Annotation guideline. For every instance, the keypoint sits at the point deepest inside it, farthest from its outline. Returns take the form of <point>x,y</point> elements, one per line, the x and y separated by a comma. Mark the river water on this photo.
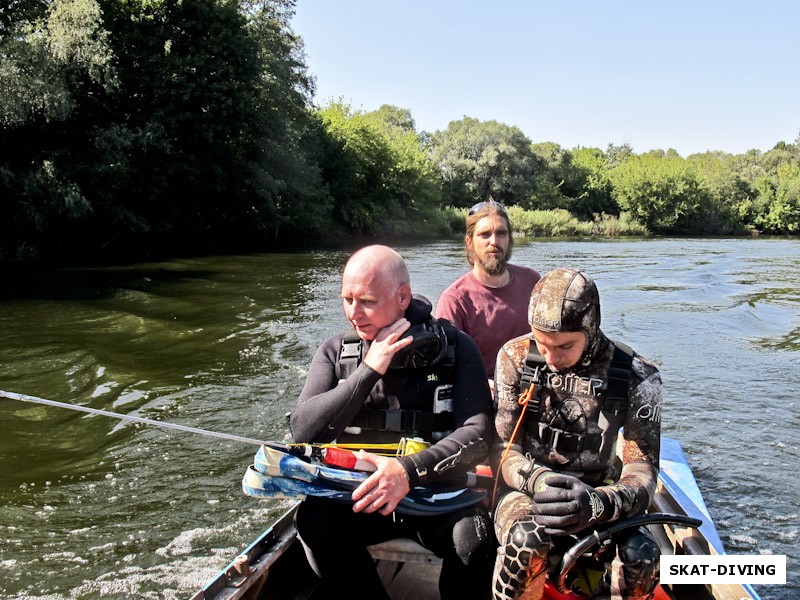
<point>93,507</point>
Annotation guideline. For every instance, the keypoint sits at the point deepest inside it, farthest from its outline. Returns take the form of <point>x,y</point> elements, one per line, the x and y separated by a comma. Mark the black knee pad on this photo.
<point>640,553</point>
<point>473,537</point>
<point>526,540</point>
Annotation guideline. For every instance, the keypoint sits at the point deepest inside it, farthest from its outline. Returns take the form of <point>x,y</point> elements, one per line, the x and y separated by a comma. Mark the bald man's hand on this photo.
<point>386,344</point>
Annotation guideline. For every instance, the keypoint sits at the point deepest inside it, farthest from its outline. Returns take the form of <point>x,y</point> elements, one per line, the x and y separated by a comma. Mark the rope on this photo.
<point>384,449</point>
<point>523,400</point>
<point>107,413</point>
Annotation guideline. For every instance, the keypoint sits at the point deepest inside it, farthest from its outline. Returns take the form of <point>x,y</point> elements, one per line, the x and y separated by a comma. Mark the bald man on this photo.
<point>386,378</point>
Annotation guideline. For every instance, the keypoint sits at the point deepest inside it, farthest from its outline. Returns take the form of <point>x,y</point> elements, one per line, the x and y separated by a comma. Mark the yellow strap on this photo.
<point>404,447</point>
<point>411,446</point>
<point>380,449</point>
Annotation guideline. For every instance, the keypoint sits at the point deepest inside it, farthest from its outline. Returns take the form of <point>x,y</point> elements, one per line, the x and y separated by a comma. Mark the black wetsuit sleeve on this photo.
<point>472,412</point>
<point>326,406</point>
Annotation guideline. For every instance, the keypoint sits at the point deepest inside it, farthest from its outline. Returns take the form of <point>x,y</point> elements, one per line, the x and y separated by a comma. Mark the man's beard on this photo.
<point>494,266</point>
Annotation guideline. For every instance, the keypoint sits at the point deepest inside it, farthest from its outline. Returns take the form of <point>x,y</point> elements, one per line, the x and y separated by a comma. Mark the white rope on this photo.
<point>107,413</point>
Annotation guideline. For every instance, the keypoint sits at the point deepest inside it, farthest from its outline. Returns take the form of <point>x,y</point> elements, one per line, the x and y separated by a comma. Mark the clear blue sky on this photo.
<point>690,75</point>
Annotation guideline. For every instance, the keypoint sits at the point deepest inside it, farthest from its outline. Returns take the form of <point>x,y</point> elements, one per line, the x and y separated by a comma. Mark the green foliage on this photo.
<point>357,169</point>
<point>559,222</point>
<point>187,110</point>
<point>45,57</point>
<point>611,225</point>
<point>660,191</point>
<point>546,223</point>
<point>135,127</point>
<point>456,219</point>
<point>782,194</point>
<point>730,196</point>
<point>577,181</point>
<point>552,163</point>
<point>485,159</point>
<point>284,175</point>
<point>555,223</point>
<point>198,137</point>
<point>618,154</point>
<point>378,174</point>
<point>414,176</point>
<point>51,57</point>
<point>588,184</point>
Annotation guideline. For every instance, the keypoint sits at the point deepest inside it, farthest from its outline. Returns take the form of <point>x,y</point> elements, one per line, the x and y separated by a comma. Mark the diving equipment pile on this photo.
<point>297,471</point>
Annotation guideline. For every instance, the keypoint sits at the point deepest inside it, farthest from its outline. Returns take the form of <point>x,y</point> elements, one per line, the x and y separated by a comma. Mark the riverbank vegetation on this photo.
<point>131,129</point>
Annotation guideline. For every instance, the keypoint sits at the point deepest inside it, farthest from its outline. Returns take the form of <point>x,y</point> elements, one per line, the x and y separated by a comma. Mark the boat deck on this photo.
<point>274,566</point>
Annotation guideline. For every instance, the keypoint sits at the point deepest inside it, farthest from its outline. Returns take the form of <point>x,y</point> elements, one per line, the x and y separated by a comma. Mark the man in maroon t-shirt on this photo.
<point>490,302</point>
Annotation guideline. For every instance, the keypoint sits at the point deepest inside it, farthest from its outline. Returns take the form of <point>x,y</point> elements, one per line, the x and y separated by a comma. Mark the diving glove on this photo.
<point>565,505</point>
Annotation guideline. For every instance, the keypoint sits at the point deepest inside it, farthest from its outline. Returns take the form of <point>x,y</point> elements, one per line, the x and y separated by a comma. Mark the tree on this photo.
<point>781,195</point>
<point>284,173</point>
<point>485,159</point>
<point>358,161</point>
<point>587,184</point>
<point>552,165</point>
<point>618,154</point>
<point>378,172</point>
<point>730,195</point>
<point>414,178</point>
<point>393,118</point>
<point>661,192</point>
<point>51,56</point>
<point>198,137</point>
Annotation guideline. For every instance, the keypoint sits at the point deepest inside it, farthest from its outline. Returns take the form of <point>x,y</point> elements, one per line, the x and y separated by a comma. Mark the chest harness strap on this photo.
<point>416,422</point>
<point>616,399</point>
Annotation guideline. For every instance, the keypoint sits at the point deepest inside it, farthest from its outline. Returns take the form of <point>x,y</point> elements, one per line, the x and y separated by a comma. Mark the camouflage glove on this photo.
<point>565,505</point>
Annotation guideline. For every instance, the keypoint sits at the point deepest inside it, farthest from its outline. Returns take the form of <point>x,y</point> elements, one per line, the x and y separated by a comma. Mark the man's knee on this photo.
<point>473,538</point>
<point>640,552</point>
<point>315,522</point>
<point>526,542</point>
<point>640,557</point>
<point>521,560</point>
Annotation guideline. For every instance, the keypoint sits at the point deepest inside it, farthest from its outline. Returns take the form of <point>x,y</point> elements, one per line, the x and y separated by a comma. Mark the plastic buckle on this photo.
<point>394,420</point>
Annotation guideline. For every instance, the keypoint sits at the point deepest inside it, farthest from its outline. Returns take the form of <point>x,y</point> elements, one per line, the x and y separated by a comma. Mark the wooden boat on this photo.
<point>274,566</point>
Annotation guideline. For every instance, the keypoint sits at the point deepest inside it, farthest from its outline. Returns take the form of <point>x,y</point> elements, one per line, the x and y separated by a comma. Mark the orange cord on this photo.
<point>523,400</point>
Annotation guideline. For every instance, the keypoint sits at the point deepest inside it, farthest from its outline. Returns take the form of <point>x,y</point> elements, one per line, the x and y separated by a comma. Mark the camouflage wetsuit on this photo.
<point>572,401</point>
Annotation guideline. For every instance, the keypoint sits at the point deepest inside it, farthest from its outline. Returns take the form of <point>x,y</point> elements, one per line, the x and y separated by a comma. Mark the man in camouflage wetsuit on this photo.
<point>565,469</point>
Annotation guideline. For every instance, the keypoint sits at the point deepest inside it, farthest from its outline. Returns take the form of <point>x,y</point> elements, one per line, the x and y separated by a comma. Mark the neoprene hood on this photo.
<point>565,300</point>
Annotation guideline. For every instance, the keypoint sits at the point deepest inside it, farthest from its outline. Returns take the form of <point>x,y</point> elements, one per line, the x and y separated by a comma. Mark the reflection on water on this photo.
<point>90,506</point>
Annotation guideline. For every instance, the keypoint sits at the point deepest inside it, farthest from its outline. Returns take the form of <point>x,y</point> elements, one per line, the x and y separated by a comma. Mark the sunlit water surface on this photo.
<point>92,507</point>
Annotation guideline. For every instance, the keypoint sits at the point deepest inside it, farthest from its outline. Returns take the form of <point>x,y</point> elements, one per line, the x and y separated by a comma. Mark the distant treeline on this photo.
<point>138,128</point>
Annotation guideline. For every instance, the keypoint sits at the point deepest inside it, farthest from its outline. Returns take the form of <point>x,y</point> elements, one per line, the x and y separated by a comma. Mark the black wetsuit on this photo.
<point>335,537</point>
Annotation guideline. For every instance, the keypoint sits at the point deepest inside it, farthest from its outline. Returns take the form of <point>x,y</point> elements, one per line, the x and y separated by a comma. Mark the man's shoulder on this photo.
<point>461,337</point>
<point>524,273</point>
<point>336,338</point>
<point>331,345</point>
<point>455,288</point>
<point>466,346</point>
<point>517,348</point>
<point>643,368</point>
<point>640,367</point>
<point>452,300</point>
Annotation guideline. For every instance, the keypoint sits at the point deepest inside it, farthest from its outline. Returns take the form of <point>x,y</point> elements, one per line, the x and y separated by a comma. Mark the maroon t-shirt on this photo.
<point>490,316</point>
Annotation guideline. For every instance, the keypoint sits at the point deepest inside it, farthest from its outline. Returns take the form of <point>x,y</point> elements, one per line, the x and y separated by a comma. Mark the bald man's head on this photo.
<point>376,289</point>
<point>380,262</point>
